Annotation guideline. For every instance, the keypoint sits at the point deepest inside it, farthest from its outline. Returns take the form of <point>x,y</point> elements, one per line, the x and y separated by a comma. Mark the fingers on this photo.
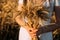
<point>32,32</point>
<point>33,35</point>
<point>32,29</point>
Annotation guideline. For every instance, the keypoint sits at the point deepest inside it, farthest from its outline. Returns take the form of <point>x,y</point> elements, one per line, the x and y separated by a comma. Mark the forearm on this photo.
<point>21,22</point>
<point>48,28</point>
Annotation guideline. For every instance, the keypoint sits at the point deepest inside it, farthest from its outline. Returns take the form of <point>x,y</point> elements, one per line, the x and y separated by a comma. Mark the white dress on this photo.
<point>23,34</point>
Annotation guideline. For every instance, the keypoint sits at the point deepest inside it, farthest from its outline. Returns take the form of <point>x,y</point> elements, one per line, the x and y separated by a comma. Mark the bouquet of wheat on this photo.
<point>29,13</point>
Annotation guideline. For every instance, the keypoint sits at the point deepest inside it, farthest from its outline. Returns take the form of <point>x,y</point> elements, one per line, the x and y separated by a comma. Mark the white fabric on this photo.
<point>23,34</point>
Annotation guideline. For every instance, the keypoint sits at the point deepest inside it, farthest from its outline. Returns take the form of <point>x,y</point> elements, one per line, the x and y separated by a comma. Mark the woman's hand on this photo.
<point>31,31</point>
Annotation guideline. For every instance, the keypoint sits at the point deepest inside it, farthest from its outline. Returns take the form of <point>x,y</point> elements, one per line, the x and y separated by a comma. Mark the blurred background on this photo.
<point>9,29</point>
